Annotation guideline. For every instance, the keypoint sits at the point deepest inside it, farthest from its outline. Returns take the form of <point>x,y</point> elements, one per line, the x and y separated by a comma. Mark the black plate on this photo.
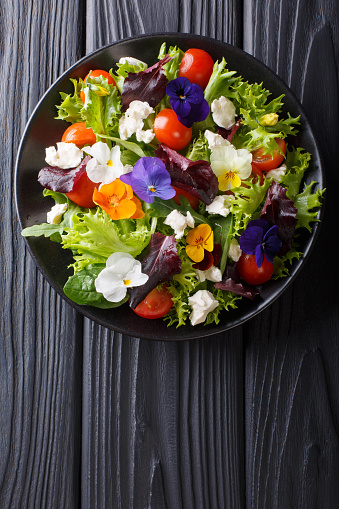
<point>43,130</point>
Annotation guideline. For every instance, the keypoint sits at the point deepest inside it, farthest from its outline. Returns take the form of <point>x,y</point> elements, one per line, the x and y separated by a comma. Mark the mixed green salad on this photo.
<point>176,188</point>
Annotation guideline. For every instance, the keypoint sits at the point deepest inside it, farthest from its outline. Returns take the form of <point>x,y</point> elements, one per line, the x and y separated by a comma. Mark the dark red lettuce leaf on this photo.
<point>231,282</point>
<point>59,180</point>
<point>209,258</point>
<point>160,264</point>
<point>279,210</point>
<point>229,133</point>
<point>147,86</point>
<point>195,177</point>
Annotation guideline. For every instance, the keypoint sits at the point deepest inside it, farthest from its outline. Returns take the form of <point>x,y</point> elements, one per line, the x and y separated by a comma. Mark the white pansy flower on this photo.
<point>212,274</point>
<point>67,155</point>
<point>277,173</point>
<point>122,271</point>
<point>105,165</point>
<point>223,112</point>
<point>202,302</point>
<point>132,121</point>
<point>234,251</point>
<point>55,214</point>
<point>231,166</point>
<point>220,205</point>
<point>178,222</point>
<point>215,140</point>
<point>133,61</point>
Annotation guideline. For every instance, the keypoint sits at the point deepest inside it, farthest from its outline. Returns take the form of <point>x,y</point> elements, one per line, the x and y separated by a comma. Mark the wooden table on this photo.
<point>90,418</point>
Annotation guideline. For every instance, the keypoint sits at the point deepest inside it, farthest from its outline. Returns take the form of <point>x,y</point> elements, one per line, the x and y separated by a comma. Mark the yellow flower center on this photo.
<point>127,282</point>
<point>110,162</point>
<point>152,189</point>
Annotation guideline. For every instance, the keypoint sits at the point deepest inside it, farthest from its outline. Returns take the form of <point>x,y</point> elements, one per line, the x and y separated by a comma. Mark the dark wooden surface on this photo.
<point>89,418</point>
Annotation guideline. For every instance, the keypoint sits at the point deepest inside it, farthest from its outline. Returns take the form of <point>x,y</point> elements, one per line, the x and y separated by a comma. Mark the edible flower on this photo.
<point>187,100</point>
<point>260,239</point>
<point>199,239</point>
<point>105,165</point>
<point>118,201</point>
<point>122,271</point>
<point>231,166</point>
<point>149,178</point>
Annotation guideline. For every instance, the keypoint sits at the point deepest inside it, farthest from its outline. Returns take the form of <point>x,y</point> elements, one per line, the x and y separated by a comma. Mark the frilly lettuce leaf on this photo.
<point>308,204</point>
<point>171,69</point>
<point>198,149</point>
<point>71,105</point>
<point>247,201</point>
<point>297,161</point>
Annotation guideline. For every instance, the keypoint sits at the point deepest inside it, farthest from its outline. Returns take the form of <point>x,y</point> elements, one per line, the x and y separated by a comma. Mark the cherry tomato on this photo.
<point>258,172</point>
<point>249,272</point>
<point>265,162</point>
<point>193,200</point>
<point>82,193</point>
<point>170,131</point>
<point>95,74</point>
<point>197,66</point>
<point>79,134</point>
<point>156,304</point>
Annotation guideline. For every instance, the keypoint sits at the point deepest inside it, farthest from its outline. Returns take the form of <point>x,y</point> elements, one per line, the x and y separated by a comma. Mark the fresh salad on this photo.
<point>175,188</point>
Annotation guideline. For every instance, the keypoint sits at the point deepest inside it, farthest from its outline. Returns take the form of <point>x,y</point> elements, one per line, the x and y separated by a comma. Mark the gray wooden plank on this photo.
<point>40,357</point>
<point>291,349</point>
<point>162,422</point>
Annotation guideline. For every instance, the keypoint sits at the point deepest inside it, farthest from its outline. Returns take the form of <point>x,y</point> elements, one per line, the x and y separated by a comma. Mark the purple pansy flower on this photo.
<point>260,239</point>
<point>149,178</point>
<point>187,100</point>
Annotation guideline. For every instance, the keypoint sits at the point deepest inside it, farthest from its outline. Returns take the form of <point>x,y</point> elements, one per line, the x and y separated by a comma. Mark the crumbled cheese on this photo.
<point>234,251</point>
<point>133,61</point>
<point>212,274</point>
<point>67,155</point>
<point>202,303</point>
<point>220,205</point>
<point>178,222</point>
<point>215,140</point>
<point>133,122</point>
<point>55,214</point>
<point>223,112</point>
<point>277,173</point>
<point>269,119</point>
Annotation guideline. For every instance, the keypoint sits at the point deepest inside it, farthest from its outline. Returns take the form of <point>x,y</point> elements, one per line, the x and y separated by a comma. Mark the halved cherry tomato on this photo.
<point>170,131</point>
<point>156,304</point>
<point>95,74</point>
<point>197,66</point>
<point>82,193</point>
<point>257,172</point>
<point>265,162</point>
<point>193,200</point>
<point>249,272</point>
<point>79,134</point>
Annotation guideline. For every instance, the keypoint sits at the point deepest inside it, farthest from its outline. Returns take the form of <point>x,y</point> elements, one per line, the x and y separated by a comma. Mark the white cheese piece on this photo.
<point>133,122</point>
<point>277,173</point>
<point>220,205</point>
<point>55,214</point>
<point>67,155</point>
<point>178,222</point>
<point>145,136</point>
<point>202,303</point>
<point>212,274</point>
<point>223,112</point>
<point>129,126</point>
<point>234,251</point>
<point>215,140</point>
<point>133,61</point>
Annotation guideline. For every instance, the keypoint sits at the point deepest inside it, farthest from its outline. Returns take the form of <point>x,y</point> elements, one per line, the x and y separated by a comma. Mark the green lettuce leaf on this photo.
<point>71,105</point>
<point>171,69</point>
<point>198,149</point>
<point>297,161</point>
<point>308,204</point>
<point>247,201</point>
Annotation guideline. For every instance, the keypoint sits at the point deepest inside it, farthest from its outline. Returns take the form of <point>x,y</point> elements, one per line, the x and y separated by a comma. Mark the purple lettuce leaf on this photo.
<point>231,282</point>
<point>147,86</point>
<point>195,177</point>
<point>160,264</point>
<point>279,210</point>
<point>229,133</point>
<point>59,180</point>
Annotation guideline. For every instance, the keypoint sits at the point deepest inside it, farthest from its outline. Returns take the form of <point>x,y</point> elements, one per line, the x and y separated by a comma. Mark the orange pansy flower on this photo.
<point>199,239</point>
<point>118,201</point>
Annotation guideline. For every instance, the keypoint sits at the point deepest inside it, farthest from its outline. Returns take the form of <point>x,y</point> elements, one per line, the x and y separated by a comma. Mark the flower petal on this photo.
<point>259,255</point>
<point>196,253</point>
<point>250,239</point>
<point>100,151</point>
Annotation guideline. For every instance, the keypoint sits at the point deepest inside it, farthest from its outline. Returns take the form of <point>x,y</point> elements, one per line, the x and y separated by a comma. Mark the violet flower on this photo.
<point>149,178</point>
<point>187,100</point>
<point>260,239</point>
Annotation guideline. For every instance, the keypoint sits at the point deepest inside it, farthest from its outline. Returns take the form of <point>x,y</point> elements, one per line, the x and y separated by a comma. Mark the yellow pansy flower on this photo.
<point>231,166</point>
<point>199,239</point>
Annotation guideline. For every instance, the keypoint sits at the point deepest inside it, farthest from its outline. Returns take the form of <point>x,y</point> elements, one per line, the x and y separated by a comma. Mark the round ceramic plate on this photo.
<point>43,131</point>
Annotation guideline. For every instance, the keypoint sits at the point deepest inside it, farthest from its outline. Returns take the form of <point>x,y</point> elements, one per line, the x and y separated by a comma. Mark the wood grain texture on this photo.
<point>40,357</point>
<point>292,348</point>
<point>170,415</point>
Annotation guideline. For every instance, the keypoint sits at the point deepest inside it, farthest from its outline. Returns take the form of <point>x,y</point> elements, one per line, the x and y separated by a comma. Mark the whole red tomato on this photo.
<point>170,131</point>
<point>251,273</point>
<point>197,66</point>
